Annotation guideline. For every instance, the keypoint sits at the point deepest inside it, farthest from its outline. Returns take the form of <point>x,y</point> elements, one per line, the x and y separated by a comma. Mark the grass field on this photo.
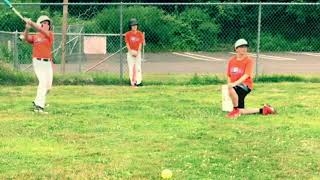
<point>116,132</point>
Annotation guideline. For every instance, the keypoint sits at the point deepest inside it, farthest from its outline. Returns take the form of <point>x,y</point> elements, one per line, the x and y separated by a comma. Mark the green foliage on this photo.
<point>271,42</point>
<point>11,77</point>
<point>10,22</point>
<point>107,21</point>
<point>5,54</point>
<point>277,42</point>
<point>24,52</point>
<point>87,79</point>
<point>205,79</point>
<point>182,36</point>
<point>193,28</point>
<point>285,78</point>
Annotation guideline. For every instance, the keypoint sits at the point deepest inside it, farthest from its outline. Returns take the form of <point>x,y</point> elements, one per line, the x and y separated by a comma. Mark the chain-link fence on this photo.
<point>180,37</point>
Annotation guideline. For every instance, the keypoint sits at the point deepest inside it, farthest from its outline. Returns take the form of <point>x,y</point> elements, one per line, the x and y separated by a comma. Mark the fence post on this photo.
<point>15,51</point>
<point>64,35</point>
<point>258,39</point>
<point>121,32</point>
<point>80,51</point>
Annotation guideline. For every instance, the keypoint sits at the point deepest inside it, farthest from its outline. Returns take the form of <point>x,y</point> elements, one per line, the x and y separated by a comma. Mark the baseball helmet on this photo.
<point>133,21</point>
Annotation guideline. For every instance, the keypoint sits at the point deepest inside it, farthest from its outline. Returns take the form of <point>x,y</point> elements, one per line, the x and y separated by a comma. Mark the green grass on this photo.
<point>116,132</point>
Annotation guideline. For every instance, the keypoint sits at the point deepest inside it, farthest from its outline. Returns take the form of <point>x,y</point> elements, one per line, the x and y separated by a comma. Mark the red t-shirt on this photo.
<point>134,39</point>
<point>42,45</point>
<point>236,69</point>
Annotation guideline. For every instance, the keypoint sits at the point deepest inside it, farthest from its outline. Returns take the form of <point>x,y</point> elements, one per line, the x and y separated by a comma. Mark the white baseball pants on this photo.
<point>44,73</point>
<point>134,65</point>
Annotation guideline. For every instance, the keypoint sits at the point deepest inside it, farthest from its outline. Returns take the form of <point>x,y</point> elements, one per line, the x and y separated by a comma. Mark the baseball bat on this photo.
<point>103,60</point>
<point>7,2</point>
<point>226,100</point>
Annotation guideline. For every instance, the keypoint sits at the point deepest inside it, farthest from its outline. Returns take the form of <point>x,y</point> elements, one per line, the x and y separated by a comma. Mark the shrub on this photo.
<point>10,77</point>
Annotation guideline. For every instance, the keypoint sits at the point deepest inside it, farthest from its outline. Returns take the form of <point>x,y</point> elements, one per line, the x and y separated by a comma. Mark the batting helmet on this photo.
<point>240,42</point>
<point>44,18</point>
<point>133,21</point>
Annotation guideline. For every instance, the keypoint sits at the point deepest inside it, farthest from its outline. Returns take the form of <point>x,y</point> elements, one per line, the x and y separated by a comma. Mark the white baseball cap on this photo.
<point>240,42</point>
<point>43,18</point>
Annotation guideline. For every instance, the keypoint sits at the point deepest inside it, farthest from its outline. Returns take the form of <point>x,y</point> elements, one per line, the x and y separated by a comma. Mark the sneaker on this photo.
<point>234,114</point>
<point>40,110</point>
<point>34,105</point>
<point>267,109</point>
<point>140,84</point>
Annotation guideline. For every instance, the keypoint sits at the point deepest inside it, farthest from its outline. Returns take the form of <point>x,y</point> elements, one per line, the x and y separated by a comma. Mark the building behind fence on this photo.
<point>169,27</point>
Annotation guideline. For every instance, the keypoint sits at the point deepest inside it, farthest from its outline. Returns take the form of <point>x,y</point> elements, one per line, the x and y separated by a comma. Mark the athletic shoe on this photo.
<point>267,109</point>
<point>40,110</point>
<point>234,114</point>
<point>140,84</point>
<point>34,105</point>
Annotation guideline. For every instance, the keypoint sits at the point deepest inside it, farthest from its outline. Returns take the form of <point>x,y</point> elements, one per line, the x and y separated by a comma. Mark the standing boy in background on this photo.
<point>134,41</point>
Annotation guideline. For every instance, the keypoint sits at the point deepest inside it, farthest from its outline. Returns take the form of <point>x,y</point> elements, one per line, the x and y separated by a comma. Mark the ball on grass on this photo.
<point>166,174</point>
